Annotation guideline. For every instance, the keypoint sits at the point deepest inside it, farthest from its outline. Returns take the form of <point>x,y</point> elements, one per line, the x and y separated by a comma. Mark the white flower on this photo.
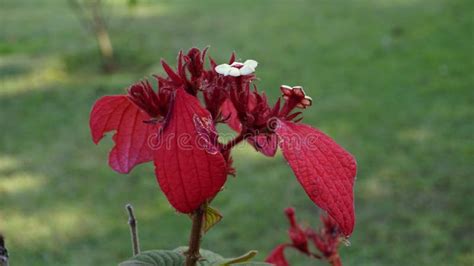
<point>297,92</point>
<point>237,69</point>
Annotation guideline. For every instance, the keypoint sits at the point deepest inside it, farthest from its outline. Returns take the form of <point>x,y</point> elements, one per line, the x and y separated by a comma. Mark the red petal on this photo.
<point>267,145</point>
<point>120,114</point>
<point>325,170</point>
<point>228,111</point>
<point>277,256</point>
<point>188,166</point>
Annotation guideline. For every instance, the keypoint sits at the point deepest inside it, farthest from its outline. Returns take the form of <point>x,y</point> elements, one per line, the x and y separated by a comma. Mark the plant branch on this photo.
<point>192,255</point>
<point>239,138</point>
<point>90,15</point>
<point>132,222</point>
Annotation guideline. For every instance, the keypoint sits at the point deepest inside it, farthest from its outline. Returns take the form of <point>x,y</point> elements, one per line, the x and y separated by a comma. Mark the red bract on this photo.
<point>324,169</point>
<point>325,241</point>
<point>189,167</point>
<point>120,114</point>
<point>172,127</point>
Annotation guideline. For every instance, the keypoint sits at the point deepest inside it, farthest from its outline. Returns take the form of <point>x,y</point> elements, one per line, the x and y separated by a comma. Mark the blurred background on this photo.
<point>392,82</point>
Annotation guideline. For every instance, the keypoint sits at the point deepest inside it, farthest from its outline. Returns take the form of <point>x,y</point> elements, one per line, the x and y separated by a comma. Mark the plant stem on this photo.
<point>233,142</point>
<point>192,255</point>
<point>335,260</point>
<point>132,222</point>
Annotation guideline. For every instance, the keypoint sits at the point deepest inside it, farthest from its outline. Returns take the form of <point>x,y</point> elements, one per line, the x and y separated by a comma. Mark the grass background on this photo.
<point>391,80</point>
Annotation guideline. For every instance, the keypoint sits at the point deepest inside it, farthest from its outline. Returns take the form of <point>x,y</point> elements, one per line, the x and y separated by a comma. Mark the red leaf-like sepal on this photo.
<point>189,167</point>
<point>230,114</point>
<point>266,144</point>
<point>131,138</point>
<point>324,169</point>
<point>277,256</point>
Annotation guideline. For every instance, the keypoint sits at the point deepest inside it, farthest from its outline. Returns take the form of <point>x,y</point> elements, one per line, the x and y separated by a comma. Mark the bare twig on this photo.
<point>192,255</point>
<point>3,252</point>
<point>102,35</point>
<point>132,222</point>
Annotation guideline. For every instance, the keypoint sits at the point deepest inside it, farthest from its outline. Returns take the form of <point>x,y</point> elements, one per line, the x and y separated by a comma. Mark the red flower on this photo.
<point>296,233</point>
<point>324,169</point>
<point>326,241</point>
<point>277,256</point>
<point>172,128</point>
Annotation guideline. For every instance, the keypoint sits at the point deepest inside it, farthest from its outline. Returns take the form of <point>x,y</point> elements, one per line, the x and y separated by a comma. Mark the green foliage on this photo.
<point>177,258</point>
<point>241,259</point>
<point>155,258</point>
<point>132,3</point>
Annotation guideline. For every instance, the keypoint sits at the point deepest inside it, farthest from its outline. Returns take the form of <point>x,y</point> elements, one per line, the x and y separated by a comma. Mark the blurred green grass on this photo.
<point>392,82</point>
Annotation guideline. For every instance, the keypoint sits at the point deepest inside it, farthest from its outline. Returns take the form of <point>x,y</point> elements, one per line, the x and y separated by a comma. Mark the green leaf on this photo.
<point>155,258</point>
<point>176,257</point>
<point>211,218</point>
<point>208,258</point>
<point>244,258</point>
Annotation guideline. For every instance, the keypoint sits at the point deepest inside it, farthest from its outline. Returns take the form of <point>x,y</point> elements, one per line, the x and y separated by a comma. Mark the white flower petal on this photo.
<point>223,69</point>
<point>251,63</point>
<point>246,70</point>
<point>234,72</point>
<point>237,64</point>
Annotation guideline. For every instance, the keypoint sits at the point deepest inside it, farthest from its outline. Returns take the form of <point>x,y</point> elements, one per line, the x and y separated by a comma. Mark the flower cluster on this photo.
<point>175,127</point>
<point>326,240</point>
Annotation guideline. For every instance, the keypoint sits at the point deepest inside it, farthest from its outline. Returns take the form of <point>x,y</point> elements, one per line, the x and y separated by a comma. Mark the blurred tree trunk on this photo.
<point>91,16</point>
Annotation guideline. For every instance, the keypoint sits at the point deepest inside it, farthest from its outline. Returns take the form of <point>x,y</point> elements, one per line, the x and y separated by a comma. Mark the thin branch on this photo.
<point>192,255</point>
<point>102,36</point>
<point>233,142</point>
<point>132,222</point>
<point>95,23</point>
